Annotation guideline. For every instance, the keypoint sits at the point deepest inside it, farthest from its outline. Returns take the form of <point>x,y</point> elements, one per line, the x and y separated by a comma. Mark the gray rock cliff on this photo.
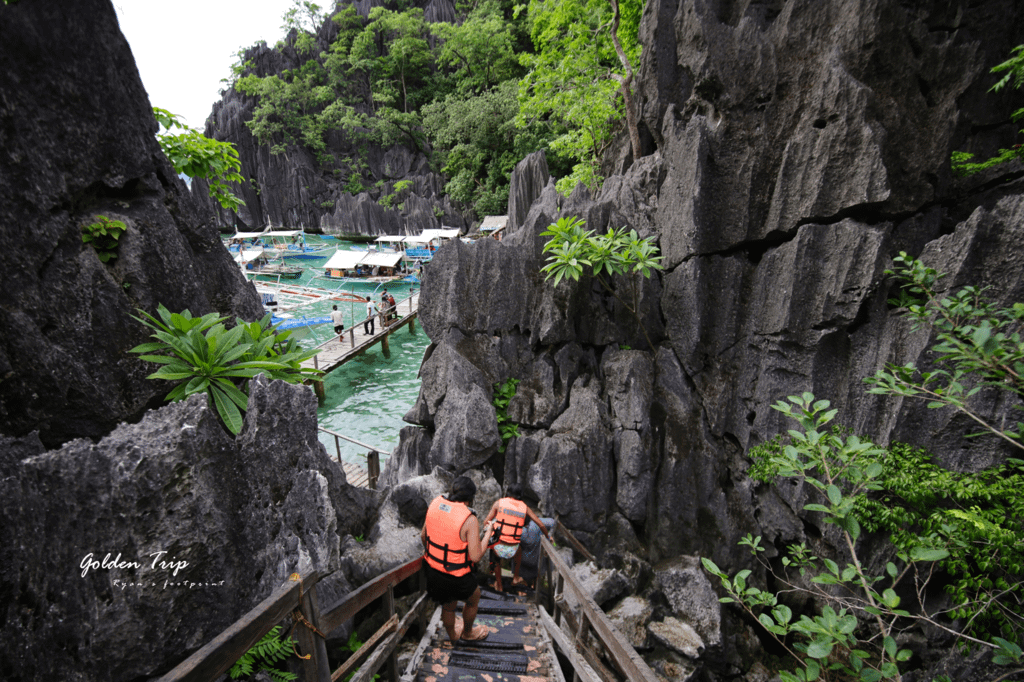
<point>77,143</point>
<point>799,147</point>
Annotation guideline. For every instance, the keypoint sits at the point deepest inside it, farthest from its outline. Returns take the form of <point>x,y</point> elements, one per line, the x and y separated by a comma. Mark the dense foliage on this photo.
<point>966,529</point>
<point>475,95</point>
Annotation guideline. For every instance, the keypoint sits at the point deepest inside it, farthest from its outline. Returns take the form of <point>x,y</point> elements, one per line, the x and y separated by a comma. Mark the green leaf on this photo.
<point>928,554</point>
<point>227,410</point>
<point>819,648</point>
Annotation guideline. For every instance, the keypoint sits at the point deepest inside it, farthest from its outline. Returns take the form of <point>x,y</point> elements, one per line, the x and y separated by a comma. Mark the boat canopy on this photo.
<point>248,255</point>
<point>381,258</point>
<point>248,235</point>
<point>344,260</point>
<point>284,233</point>
<point>449,233</point>
<point>391,238</point>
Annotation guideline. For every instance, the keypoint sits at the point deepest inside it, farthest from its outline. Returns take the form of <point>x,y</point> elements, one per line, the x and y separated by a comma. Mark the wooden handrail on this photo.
<point>620,651</point>
<point>360,598</point>
<point>298,593</point>
<point>218,655</point>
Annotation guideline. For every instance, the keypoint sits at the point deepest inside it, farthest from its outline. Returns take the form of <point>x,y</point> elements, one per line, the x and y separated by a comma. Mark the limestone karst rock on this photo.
<point>77,143</point>
<point>799,146</point>
<point>213,523</point>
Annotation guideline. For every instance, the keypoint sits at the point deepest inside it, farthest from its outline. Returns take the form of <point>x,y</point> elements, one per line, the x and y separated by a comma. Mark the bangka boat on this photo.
<point>292,244</point>
<point>255,262</point>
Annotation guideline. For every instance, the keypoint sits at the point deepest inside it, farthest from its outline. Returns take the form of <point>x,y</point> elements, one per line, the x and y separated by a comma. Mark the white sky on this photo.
<point>183,50</point>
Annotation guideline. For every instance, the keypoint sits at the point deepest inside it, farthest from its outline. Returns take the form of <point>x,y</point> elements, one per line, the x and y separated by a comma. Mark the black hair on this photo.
<point>515,491</point>
<point>463,490</point>
<point>335,307</point>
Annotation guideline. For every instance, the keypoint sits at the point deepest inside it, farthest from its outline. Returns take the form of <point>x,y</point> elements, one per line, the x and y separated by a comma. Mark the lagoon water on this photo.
<point>367,397</point>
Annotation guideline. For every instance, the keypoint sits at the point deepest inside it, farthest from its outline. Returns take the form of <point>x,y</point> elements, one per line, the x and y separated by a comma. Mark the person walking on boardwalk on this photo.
<point>452,545</point>
<point>339,321</point>
<point>371,314</point>
<point>509,516</point>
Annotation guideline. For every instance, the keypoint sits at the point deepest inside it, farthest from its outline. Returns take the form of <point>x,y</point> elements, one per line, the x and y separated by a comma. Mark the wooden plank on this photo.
<point>592,657</point>
<point>358,599</point>
<point>364,651</point>
<point>417,656</point>
<point>389,606</point>
<point>218,655</point>
<point>579,665</point>
<point>619,650</point>
<point>555,669</point>
<point>388,646</point>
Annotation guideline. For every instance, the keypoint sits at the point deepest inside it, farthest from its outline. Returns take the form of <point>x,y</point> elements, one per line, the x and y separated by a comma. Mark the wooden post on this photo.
<point>389,604</point>
<point>422,620</point>
<point>337,448</point>
<point>319,390</point>
<point>412,325</point>
<point>315,668</point>
<point>560,592</point>
<point>352,336</point>
<point>384,345</point>
<point>540,575</point>
<point>373,468</point>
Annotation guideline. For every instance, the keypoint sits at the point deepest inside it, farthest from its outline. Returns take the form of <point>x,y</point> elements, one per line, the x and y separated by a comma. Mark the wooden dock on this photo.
<point>355,341</point>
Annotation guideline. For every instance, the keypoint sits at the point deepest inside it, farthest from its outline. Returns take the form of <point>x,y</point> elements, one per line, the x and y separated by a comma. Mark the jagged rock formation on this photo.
<point>294,189</point>
<point>213,523</point>
<point>66,318</point>
<point>799,147</point>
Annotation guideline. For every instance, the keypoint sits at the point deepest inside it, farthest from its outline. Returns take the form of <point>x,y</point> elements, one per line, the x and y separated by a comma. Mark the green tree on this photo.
<point>582,76</point>
<point>1013,72</point>
<point>197,156</point>
<point>617,253</point>
<point>479,51</point>
<point>395,47</point>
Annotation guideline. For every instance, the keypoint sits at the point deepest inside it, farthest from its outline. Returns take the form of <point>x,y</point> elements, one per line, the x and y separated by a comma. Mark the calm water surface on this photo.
<point>366,397</point>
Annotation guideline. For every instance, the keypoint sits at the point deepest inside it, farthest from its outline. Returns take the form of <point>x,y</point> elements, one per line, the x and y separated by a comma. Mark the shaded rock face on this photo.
<point>78,143</point>
<point>800,146</point>
<point>226,520</point>
<point>299,188</point>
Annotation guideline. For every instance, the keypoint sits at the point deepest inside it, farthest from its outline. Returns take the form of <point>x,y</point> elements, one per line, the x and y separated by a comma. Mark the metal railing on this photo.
<point>372,455</point>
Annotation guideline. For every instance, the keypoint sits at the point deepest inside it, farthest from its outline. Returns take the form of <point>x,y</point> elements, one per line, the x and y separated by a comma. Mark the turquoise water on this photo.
<point>366,397</point>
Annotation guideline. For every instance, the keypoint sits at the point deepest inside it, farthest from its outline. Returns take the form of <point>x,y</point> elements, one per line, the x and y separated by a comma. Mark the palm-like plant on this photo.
<point>204,356</point>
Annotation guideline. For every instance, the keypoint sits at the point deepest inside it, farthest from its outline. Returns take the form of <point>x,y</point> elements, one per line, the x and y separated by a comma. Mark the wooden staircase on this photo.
<point>517,648</point>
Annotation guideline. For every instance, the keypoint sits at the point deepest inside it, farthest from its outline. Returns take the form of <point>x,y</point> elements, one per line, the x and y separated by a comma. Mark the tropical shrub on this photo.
<point>197,156</point>
<point>201,355</point>
<point>103,234</point>
<point>503,394</point>
<point>618,252</point>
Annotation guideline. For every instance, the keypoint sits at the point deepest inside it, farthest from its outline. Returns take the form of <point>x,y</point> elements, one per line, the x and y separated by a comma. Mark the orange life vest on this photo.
<point>509,521</point>
<point>446,550</point>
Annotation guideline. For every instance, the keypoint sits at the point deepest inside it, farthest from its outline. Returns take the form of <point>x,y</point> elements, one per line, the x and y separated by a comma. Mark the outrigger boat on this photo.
<point>254,262</point>
<point>371,267</point>
<point>292,244</point>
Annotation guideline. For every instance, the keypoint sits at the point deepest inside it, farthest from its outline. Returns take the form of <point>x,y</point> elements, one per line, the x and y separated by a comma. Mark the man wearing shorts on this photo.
<point>451,538</point>
<point>508,516</point>
<point>339,321</point>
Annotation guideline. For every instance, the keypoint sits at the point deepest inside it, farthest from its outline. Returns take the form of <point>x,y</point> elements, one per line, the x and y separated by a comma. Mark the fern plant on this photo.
<point>264,655</point>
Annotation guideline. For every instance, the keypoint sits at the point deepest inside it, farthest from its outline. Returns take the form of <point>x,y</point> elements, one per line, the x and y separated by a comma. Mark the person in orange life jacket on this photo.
<point>452,543</point>
<point>509,516</point>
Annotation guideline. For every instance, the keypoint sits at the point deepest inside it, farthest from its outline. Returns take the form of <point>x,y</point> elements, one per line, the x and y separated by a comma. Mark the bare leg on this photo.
<point>469,612</point>
<point>448,618</point>
<point>497,575</point>
<point>517,561</point>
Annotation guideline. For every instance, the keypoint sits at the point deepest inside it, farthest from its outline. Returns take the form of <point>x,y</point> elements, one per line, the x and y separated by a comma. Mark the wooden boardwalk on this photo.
<point>356,475</point>
<point>337,351</point>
